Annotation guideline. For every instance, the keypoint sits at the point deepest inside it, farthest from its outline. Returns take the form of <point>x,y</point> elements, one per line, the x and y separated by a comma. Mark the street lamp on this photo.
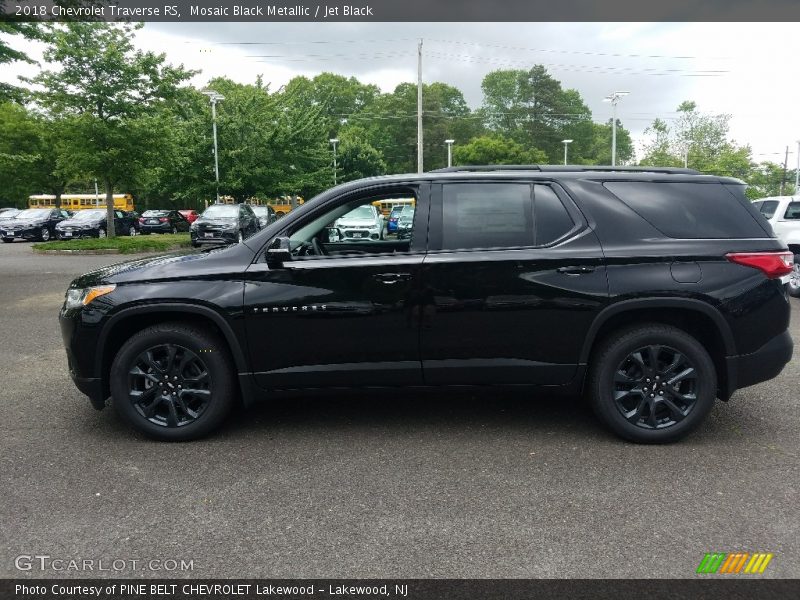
<point>614,98</point>
<point>214,97</point>
<point>449,152</point>
<point>334,141</point>
<point>566,143</point>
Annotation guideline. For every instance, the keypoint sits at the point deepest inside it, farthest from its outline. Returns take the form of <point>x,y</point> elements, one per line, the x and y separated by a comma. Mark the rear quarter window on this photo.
<point>690,210</point>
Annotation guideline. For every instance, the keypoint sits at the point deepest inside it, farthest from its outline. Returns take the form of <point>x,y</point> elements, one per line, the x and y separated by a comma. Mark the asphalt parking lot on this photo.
<point>369,487</point>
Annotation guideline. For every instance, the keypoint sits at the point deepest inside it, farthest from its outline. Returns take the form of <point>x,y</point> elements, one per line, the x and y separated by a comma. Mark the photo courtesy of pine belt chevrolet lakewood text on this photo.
<point>654,291</point>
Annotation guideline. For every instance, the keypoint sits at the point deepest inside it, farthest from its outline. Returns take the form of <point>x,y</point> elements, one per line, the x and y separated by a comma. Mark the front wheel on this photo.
<point>794,278</point>
<point>652,383</point>
<point>101,233</point>
<point>173,382</point>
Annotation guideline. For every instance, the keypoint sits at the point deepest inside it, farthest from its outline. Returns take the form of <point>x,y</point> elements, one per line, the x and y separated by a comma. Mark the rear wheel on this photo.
<point>173,382</point>
<point>132,231</point>
<point>44,234</point>
<point>174,229</point>
<point>652,384</point>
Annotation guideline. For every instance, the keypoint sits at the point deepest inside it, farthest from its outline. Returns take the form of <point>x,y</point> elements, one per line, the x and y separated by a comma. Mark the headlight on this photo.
<point>77,297</point>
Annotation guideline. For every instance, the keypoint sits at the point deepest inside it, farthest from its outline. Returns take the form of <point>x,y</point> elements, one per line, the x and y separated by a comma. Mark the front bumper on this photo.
<point>82,365</point>
<point>30,233</point>
<point>76,234</point>
<point>763,364</point>
<point>357,235</point>
<point>217,237</point>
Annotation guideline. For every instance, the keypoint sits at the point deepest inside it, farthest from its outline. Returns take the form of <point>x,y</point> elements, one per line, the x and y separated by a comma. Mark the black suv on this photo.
<point>654,291</point>
<point>224,223</point>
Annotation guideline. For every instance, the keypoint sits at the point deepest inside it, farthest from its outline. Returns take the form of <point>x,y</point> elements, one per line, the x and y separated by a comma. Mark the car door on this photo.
<point>514,277</point>
<point>342,320</point>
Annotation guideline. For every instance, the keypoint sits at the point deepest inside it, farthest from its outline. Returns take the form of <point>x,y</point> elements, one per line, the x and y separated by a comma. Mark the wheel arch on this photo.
<point>694,317</point>
<point>129,321</point>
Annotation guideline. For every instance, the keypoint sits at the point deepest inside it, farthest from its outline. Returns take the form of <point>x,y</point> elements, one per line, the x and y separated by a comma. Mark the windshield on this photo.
<point>222,211</point>
<point>89,215</point>
<point>155,213</point>
<point>32,213</point>
<point>362,212</point>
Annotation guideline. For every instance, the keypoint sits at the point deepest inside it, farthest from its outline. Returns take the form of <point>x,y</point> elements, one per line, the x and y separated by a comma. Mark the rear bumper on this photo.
<point>763,364</point>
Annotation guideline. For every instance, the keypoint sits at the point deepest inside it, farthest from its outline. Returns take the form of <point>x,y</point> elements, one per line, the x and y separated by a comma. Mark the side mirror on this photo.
<point>279,252</point>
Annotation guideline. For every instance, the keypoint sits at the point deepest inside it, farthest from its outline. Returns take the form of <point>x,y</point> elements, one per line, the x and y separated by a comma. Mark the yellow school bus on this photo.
<point>386,206</point>
<point>283,205</point>
<point>80,201</point>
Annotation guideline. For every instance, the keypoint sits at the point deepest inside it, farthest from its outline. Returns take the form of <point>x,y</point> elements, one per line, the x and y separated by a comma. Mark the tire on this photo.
<point>240,238</point>
<point>794,278</point>
<point>45,234</point>
<point>623,363</point>
<point>197,352</point>
<point>101,233</point>
<point>174,230</point>
<point>132,231</point>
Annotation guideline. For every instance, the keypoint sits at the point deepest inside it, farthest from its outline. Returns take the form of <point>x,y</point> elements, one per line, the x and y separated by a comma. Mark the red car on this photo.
<point>190,215</point>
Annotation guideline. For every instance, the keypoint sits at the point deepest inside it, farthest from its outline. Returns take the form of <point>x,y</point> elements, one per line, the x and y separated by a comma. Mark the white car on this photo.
<point>783,213</point>
<point>363,223</point>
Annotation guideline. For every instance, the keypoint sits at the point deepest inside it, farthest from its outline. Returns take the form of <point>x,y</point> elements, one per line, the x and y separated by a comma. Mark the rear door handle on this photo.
<point>392,277</point>
<point>576,270</point>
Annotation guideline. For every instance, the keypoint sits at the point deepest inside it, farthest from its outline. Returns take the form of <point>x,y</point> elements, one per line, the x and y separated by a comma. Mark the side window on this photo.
<point>792,211</point>
<point>356,227</point>
<point>552,219</point>
<point>487,215</point>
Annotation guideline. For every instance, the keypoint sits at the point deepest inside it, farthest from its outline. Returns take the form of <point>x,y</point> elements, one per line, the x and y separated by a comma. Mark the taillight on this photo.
<point>163,219</point>
<point>141,219</point>
<point>772,264</point>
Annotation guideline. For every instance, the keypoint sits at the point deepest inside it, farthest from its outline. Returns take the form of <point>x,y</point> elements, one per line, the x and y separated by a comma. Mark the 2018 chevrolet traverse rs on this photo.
<point>655,291</point>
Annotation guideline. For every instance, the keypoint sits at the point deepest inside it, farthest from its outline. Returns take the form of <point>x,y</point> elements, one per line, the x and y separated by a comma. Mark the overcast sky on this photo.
<point>744,69</point>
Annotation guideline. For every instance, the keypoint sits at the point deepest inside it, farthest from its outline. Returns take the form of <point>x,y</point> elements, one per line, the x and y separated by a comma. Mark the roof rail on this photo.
<point>568,169</point>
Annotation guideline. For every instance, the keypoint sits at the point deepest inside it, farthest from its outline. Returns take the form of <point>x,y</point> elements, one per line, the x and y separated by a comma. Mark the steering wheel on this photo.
<point>319,249</point>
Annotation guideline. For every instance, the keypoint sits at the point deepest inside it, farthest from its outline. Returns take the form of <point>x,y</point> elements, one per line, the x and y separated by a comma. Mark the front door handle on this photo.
<point>576,270</point>
<point>392,277</point>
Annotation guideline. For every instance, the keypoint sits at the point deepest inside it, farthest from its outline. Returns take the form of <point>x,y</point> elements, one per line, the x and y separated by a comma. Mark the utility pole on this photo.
<point>334,141</point>
<point>797,171</point>
<point>419,106</point>
<point>214,97</point>
<point>449,152</point>
<point>614,97</point>
<point>785,165</point>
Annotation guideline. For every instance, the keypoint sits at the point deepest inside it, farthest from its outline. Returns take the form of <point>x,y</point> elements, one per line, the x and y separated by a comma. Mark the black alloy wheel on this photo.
<point>652,383</point>
<point>169,385</point>
<point>655,387</point>
<point>173,381</point>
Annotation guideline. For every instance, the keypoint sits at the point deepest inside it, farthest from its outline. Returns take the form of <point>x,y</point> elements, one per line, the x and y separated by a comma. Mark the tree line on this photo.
<point>129,120</point>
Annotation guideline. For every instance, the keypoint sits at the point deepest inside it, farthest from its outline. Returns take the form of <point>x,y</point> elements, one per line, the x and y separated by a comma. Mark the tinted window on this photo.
<point>792,211</point>
<point>767,208</point>
<point>552,219</point>
<point>487,215</point>
<point>689,210</point>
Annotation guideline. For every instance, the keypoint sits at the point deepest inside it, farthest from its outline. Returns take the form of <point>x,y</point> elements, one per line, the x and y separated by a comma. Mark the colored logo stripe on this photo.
<point>734,562</point>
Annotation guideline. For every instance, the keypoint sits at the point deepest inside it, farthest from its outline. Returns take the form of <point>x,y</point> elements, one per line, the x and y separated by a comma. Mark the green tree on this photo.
<point>533,109</point>
<point>495,150</point>
<point>110,93</point>
<point>356,158</point>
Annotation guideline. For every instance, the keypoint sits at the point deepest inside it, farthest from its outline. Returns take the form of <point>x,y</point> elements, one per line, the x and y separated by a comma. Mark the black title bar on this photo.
<point>400,10</point>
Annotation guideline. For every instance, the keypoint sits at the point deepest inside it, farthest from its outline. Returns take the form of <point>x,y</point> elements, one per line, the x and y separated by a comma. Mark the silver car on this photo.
<point>363,223</point>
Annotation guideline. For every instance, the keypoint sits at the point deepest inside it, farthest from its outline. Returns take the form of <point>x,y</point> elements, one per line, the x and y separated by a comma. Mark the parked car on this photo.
<point>162,221</point>
<point>266,216</point>
<point>32,224</point>
<point>405,222</point>
<point>224,223</point>
<point>94,224</point>
<point>189,215</point>
<point>783,214</point>
<point>362,223</point>
<point>135,216</point>
<point>8,213</point>
<point>391,224</point>
<point>652,290</point>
